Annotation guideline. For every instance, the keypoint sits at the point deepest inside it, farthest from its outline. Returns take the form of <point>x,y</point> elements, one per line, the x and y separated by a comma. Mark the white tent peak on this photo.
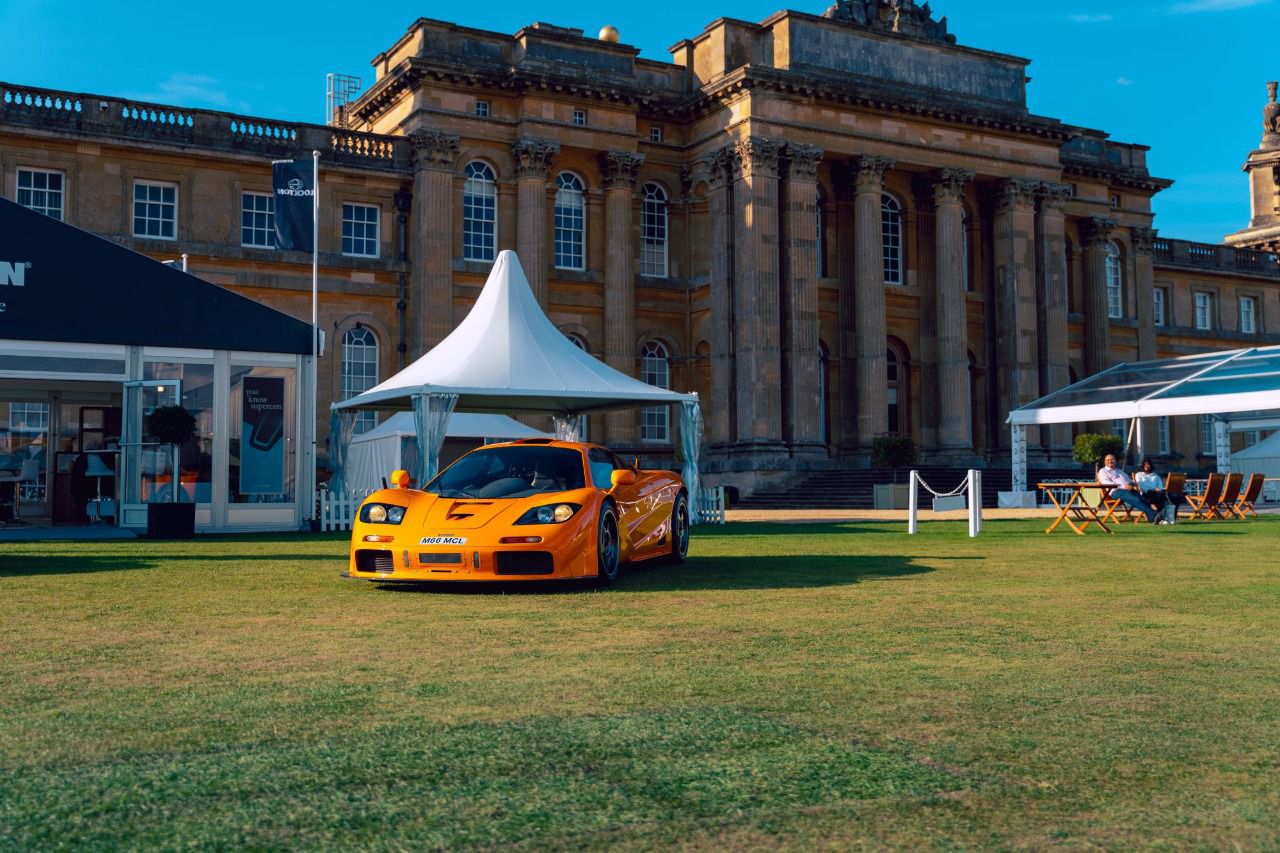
<point>507,357</point>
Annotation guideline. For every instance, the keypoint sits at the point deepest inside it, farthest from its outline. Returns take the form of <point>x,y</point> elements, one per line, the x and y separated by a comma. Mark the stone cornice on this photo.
<point>532,156</point>
<point>868,175</point>
<point>620,169</point>
<point>758,156</point>
<point>948,185</point>
<point>1096,231</point>
<point>434,149</point>
<point>1015,193</point>
<point>802,161</point>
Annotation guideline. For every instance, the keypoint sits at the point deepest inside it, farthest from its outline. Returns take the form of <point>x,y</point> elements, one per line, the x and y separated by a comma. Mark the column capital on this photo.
<point>721,166</point>
<point>758,156</point>
<point>532,156</point>
<point>802,161</point>
<point>869,172</point>
<point>1143,240</point>
<point>1054,196</point>
<point>1096,231</point>
<point>948,185</point>
<point>620,169</point>
<point>1014,193</point>
<point>434,149</point>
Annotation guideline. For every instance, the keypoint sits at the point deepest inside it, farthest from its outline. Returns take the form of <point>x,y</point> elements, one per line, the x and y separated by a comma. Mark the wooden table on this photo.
<point>1075,508</point>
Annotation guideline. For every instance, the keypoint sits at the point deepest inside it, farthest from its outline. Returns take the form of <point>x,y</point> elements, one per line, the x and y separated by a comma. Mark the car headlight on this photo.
<point>382,513</point>
<point>549,514</point>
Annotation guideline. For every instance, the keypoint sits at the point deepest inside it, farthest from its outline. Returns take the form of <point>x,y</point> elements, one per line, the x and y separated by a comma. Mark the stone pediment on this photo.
<point>896,16</point>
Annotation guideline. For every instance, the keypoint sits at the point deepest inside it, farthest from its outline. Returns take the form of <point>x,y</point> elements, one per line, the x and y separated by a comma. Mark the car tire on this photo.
<point>679,530</point>
<point>608,546</point>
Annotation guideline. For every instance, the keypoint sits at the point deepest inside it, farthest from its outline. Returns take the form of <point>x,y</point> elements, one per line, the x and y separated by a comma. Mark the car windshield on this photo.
<point>514,471</point>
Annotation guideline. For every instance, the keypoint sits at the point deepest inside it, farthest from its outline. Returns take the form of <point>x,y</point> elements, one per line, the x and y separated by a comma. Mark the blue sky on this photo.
<point>1186,77</point>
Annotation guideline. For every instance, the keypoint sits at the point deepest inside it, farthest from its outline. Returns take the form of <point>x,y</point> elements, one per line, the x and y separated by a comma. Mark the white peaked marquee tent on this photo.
<point>1241,388</point>
<point>507,358</point>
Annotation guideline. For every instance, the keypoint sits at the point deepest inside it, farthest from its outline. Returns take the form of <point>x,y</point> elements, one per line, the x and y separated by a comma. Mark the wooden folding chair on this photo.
<point>1243,507</point>
<point>1205,506</point>
<point>1174,484</point>
<point>1230,494</point>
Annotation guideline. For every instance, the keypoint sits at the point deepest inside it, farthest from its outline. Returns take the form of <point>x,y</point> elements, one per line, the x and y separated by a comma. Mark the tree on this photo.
<point>1091,448</point>
<point>893,451</point>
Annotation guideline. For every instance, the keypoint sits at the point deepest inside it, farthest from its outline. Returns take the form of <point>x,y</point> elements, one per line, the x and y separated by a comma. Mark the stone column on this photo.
<point>1015,226</point>
<point>869,322</point>
<point>532,157</point>
<point>954,416</point>
<point>801,371</point>
<point>757,332</point>
<point>1095,234</point>
<point>846,263</point>
<point>435,156</point>
<point>1051,247</point>
<point>620,169</point>
<point>1143,242</point>
<point>721,414</point>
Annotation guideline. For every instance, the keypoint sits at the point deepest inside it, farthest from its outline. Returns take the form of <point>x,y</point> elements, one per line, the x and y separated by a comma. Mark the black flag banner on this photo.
<point>293,183</point>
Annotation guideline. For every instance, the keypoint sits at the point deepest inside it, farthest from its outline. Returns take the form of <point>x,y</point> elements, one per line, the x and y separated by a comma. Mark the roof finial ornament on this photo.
<point>1271,112</point>
<point>896,16</point>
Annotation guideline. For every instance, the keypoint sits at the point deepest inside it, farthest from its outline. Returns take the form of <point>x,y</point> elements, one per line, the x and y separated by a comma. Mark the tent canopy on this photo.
<point>507,357</point>
<point>1243,380</point>
<point>461,425</point>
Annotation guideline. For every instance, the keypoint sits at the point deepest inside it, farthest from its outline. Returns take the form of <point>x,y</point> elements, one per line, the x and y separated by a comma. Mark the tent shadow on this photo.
<point>28,565</point>
<point>703,573</point>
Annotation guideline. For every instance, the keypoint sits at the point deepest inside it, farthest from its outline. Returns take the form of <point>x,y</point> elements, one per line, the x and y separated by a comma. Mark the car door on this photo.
<point>626,496</point>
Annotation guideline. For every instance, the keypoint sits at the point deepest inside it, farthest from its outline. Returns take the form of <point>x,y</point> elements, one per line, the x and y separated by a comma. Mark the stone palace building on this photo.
<point>832,227</point>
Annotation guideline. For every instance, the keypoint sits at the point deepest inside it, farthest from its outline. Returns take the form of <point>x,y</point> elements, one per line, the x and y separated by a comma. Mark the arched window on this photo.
<point>824,368</point>
<point>479,214</point>
<point>1115,282</point>
<point>360,371</point>
<point>653,231</point>
<point>891,238</point>
<point>571,219</point>
<point>896,391</point>
<point>655,369</point>
<point>821,216</point>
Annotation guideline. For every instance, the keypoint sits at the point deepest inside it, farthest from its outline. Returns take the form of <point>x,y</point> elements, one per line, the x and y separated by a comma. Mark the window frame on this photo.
<point>161,185</point>
<point>270,219</point>
<point>482,108</point>
<point>573,237</point>
<point>654,204</point>
<point>1159,307</point>
<point>1252,315</point>
<point>61,191</point>
<point>655,133</point>
<point>655,421</point>
<point>376,240</point>
<point>1203,312</point>
<point>1115,281</point>
<point>579,118</point>
<point>892,239</point>
<point>1163,443</point>
<point>368,345</point>
<point>1207,442</point>
<point>473,236</point>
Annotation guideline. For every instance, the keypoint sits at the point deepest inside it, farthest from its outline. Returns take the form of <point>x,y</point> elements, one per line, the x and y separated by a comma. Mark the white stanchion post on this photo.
<point>913,503</point>
<point>974,500</point>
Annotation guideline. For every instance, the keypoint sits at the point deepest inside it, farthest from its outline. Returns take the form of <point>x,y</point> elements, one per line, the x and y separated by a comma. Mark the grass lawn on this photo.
<point>801,687</point>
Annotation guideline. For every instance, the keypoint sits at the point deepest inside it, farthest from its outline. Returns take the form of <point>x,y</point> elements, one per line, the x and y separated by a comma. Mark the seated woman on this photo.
<point>1151,485</point>
<point>1123,488</point>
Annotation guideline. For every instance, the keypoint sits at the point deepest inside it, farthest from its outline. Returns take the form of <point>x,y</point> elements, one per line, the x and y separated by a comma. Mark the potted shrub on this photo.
<point>173,426</point>
<point>1090,448</point>
<point>892,451</point>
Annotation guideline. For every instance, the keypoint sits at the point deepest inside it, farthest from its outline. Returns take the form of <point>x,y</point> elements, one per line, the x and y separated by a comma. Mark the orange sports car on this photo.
<point>536,509</point>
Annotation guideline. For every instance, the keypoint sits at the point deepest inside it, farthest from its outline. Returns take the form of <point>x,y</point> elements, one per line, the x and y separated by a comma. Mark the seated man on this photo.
<point>1125,491</point>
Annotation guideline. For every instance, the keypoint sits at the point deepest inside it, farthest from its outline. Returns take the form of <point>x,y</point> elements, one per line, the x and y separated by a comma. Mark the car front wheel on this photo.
<point>608,548</point>
<point>679,529</point>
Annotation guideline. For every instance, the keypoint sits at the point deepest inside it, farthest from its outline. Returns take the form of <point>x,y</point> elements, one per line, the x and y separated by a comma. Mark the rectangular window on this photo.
<point>482,109</point>
<point>1157,304</point>
<point>1120,427</point>
<point>1248,315</point>
<point>41,191</point>
<point>1204,305</point>
<point>580,118</point>
<point>1206,435</point>
<point>1251,438</point>
<point>155,210</point>
<point>28,417</point>
<point>360,230</point>
<point>1162,436</point>
<point>655,134</point>
<point>258,220</point>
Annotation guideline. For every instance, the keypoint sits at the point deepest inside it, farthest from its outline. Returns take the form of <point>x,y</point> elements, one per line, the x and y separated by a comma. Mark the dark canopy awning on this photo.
<point>58,283</point>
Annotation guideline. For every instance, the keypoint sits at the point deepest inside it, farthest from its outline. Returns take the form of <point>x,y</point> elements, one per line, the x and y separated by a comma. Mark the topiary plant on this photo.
<point>171,425</point>
<point>893,451</point>
<point>1090,448</point>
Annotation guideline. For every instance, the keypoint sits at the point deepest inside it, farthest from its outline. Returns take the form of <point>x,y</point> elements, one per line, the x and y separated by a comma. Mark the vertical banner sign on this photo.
<point>262,436</point>
<point>293,185</point>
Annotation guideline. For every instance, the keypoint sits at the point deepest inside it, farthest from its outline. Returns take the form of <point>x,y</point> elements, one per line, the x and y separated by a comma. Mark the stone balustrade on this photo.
<point>100,116</point>
<point>1213,256</point>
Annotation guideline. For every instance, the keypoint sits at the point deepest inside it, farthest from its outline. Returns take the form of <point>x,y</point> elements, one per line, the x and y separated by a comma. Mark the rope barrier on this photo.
<point>964,485</point>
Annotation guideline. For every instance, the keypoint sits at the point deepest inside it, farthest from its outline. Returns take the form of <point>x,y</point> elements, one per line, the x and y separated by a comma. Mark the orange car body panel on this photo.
<point>459,539</point>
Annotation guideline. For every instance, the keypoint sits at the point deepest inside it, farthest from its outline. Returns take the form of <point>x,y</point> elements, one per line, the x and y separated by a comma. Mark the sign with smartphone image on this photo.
<point>262,436</point>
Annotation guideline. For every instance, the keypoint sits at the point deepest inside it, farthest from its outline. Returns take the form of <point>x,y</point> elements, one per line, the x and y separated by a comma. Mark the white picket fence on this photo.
<point>338,509</point>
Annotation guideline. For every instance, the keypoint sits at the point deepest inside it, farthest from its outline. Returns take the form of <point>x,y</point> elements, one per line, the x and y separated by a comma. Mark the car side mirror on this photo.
<point>622,477</point>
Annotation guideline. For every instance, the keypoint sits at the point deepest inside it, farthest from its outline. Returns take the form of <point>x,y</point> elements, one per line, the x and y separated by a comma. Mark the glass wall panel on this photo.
<point>262,438</point>
<point>195,383</point>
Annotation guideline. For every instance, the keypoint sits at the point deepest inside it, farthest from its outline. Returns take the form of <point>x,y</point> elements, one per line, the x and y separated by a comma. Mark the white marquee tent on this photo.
<point>392,444</point>
<point>1263,458</point>
<point>1243,383</point>
<point>506,357</point>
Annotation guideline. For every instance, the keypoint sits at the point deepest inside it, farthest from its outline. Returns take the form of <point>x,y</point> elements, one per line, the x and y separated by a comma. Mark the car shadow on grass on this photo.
<point>702,573</point>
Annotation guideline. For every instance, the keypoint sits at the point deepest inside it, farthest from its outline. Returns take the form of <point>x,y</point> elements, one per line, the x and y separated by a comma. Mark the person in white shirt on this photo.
<point>1124,489</point>
<point>1151,486</point>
